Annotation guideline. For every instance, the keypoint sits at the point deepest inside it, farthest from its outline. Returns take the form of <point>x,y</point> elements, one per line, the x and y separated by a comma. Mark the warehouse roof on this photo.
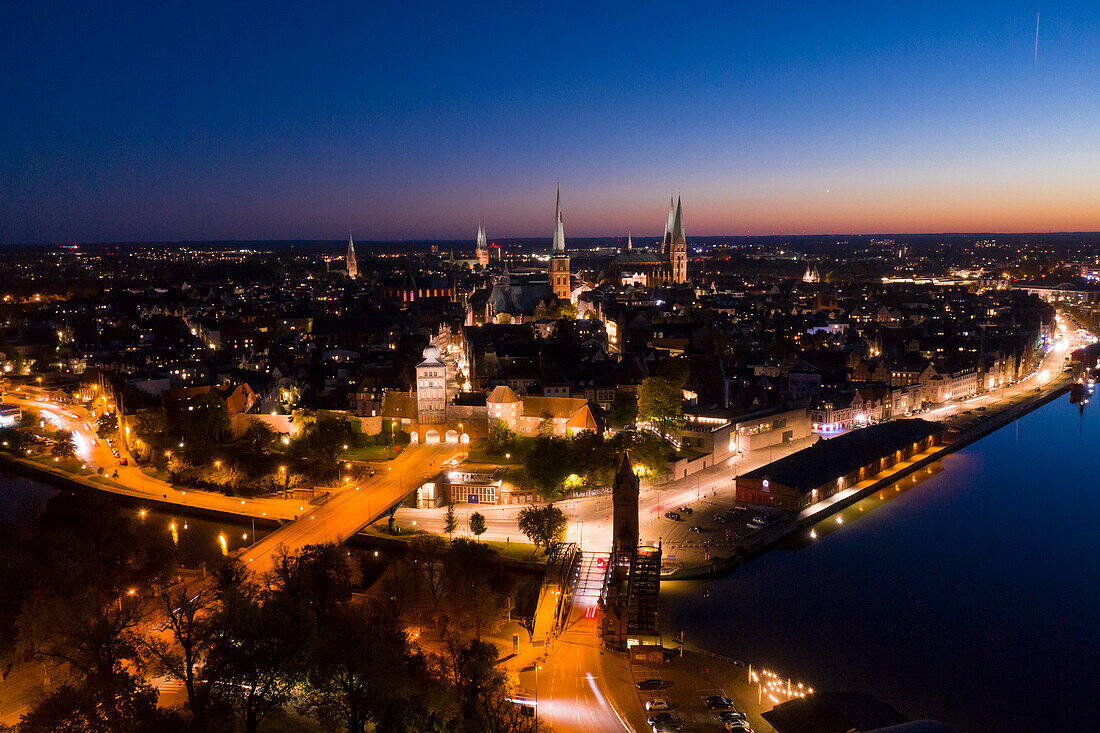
<point>826,460</point>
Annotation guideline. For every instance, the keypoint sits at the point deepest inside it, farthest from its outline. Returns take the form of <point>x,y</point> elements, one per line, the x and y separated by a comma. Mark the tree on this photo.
<point>477,524</point>
<point>624,409</point>
<point>547,465</point>
<point>475,587</point>
<point>427,551</point>
<point>483,692</point>
<point>77,708</point>
<point>186,613</point>
<point>318,576</point>
<point>500,439</point>
<point>450,519</point>
<point>258,437</point>
<point>205,422</point>
<point>323,437</point>
<point>106,425</point>
<point>259,649</point>
<point>65,447</point>
<point>544,525</point>
<point>662,403</point>
<point>363,671</point>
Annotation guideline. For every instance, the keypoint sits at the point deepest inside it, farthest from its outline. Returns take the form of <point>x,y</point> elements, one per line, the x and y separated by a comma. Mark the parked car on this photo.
<point>730,716</point>
<point>662,717</point>
<point>720,518</point>
<point>695,528</point>
<point>673,516</point>
<point>651,684</point>
<point>718,702</point>
<point>686,510</point>
<point>657,703</point>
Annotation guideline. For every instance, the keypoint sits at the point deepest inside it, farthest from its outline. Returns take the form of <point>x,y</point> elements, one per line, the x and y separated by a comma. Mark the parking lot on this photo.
<point>719,523</point>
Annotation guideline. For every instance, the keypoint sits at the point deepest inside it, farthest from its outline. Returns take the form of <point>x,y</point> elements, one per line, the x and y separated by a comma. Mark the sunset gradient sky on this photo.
<point>415,120</point>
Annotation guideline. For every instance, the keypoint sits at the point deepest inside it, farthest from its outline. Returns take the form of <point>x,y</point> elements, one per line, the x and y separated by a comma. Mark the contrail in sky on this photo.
<point>1036,38</point>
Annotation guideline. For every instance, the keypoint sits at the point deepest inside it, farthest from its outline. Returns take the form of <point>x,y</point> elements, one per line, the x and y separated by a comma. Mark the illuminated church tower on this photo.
<point>677,248</point>
<point>482,247</point>
<point>353,268</point>
<point>559,261</point>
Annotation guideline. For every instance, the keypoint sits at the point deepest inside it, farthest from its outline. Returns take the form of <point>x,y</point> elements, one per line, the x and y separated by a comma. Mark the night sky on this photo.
<point>151,121</point>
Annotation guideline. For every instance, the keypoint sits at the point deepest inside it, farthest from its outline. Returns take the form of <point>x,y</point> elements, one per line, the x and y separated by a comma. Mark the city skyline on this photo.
<point>404,124</point>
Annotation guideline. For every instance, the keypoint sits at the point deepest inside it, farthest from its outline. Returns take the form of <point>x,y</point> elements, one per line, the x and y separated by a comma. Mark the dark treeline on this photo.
<point>93,597</point>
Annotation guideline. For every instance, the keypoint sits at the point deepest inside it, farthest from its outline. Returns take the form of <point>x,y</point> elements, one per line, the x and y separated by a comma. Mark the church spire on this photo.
<point>668,223</point>
<point>559,229</point>
<point>629,244</point>
<point>353,268</point>
<point>678,236</point>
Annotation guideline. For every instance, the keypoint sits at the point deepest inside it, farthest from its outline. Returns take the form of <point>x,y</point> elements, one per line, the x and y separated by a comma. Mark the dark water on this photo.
<point>971,596</point>
<point>21,499</point>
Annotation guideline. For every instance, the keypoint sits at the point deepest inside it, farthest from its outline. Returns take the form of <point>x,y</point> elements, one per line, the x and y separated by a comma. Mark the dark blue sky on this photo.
<point>407,120</point>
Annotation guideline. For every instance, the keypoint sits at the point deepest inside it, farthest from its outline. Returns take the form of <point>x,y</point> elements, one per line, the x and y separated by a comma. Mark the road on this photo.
<point>348,511</point>
<point>352,508</point>
<point>567,682</point>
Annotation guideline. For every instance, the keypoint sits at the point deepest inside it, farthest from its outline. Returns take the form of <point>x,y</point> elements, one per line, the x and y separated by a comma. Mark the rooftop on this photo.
<point>825,460</point>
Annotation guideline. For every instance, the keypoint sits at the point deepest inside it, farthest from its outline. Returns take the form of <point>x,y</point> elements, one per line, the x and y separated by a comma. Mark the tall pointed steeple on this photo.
<point>678,236</point>
<point>560,280</point>
<point>667,238</point>
<point>677,246</point>
<point>353,267</point>
<point>482,246</point>
<point>629,244</point>
<point>559,229</point>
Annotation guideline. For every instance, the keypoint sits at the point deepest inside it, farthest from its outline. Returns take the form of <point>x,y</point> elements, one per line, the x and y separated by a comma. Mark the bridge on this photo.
<point>344,514</point>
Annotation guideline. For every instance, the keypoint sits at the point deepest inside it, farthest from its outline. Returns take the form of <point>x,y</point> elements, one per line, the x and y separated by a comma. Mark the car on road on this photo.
<point>695,528</point>
<point>667,726</point>
<point>662,717</point>
<point>718,702</point>
<point>657,703</point>
<point>651,684</point>
<point>673,516</point>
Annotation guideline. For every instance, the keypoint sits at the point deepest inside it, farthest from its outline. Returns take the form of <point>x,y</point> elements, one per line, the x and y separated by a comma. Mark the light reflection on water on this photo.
<point>969,596</point>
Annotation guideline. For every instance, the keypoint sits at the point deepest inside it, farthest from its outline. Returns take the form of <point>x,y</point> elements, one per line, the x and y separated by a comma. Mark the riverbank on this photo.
<point>787,528</point>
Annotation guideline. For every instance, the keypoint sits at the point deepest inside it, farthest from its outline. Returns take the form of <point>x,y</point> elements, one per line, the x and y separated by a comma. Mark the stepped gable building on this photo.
<point>656,269</point>
<point>353,268</point>
<point>560,283</point>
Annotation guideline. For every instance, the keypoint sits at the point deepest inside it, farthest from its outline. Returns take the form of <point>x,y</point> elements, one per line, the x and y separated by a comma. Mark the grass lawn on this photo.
<point>477,453</point>
<point>524,551</point>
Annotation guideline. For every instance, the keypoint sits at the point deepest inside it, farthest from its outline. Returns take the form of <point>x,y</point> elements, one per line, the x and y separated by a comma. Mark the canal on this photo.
<point>969,594</point>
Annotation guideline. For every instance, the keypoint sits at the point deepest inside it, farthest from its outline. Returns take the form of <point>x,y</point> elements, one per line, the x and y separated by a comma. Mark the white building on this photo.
<point>431,388</point>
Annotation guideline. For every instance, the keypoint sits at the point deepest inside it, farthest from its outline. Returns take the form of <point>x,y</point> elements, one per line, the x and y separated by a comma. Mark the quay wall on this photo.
<point>768,537</point>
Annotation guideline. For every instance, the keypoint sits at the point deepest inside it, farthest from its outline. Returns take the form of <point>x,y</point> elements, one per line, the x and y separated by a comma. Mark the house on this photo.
<point>527,415</point>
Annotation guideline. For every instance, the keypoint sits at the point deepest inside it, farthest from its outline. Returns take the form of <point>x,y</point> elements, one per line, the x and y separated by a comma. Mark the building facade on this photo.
<point>431,388</point>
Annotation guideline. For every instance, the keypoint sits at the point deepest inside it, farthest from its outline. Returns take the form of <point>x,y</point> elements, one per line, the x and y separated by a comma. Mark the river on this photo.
<point>971,596</point>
